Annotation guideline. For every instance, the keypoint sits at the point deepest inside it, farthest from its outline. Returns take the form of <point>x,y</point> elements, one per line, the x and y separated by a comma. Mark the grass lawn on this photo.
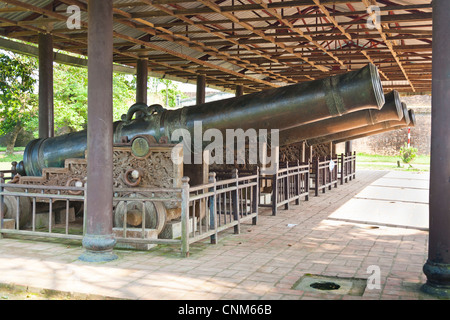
<point>378,162</point>
<point>11,158</point>
<point>16,149</point>
<point>5,160</point>
<point>364,157</point>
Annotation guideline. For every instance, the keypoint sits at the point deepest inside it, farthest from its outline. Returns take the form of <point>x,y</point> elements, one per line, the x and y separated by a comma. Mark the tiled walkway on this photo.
<point>264,261</point>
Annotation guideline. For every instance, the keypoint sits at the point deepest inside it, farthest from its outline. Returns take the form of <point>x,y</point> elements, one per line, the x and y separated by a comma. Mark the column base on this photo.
<point>438,279</point>
<point>99,248</point>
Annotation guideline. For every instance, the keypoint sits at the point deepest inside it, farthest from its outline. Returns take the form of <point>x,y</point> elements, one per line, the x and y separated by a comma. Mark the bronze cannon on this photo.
<point>387,125</point>
<point>144,140</point>
<point>410,121</point>
<point>391,111</point>
<point>280,108</point>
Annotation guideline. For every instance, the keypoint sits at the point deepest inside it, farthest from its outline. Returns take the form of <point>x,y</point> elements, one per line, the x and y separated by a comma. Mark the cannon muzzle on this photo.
<point>409,121</point>
<point>391,111</point>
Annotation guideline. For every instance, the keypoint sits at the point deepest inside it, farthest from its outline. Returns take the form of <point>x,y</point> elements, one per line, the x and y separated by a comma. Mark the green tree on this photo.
<point>124,94</point>
<point>408,154</point>
<point>167,91</point>
<point>18,104</point>
<point>71,97</point>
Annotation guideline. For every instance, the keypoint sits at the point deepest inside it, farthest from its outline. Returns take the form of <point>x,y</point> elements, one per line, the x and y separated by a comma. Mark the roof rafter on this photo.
<point>138,42</point>
<point>389,44</point>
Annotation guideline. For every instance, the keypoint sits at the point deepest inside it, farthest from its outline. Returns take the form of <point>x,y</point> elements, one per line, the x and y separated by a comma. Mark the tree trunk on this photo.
<point>12,139</point>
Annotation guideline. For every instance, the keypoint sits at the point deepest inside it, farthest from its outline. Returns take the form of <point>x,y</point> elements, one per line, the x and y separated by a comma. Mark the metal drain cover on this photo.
<point>334,285</point>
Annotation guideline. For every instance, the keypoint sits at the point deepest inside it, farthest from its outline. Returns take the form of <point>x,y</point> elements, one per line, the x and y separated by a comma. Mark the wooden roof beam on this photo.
<point>133,41</point>
<point>249,27</point>
<point>168,36</point>
<point>118,35</point>
<point>345,33</point>
<point>217,34</point>
<point>389,44</point>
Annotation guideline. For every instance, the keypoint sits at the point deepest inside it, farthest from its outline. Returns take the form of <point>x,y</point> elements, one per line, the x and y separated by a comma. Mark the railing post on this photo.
<point>354,165</point>
<point>307,182</point>
<point>235,199</point>
<point>275,191</point>
<point>342,165</point>
<point>185,217</point>
<point>298,189</point>
<point>256,197</point>
<point>286,187</point>
<point>2,210</point>
<point>324,174</point>
<point>316,162</point>
<point>329,172</point>
<point>212,208</point>
<point>336,169</point>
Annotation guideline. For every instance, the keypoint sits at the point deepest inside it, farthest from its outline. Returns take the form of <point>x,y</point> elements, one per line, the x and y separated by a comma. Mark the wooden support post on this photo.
<point>303,152</point>
<point>99,240</point>
<point>141,80</point>
<point>437,267</point>
<point>348,147</point>
<point>201,89</point>
<point>46,108</point>
<point>239,90</point>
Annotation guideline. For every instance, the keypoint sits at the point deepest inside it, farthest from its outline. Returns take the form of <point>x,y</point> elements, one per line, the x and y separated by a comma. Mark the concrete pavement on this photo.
<point>371,230</point>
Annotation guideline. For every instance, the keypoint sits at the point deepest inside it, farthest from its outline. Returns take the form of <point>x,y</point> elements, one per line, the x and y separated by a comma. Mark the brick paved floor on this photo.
<point>264,261</point>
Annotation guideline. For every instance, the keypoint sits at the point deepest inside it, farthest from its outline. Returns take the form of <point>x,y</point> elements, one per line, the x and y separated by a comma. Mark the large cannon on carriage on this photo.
<point>145,144</point>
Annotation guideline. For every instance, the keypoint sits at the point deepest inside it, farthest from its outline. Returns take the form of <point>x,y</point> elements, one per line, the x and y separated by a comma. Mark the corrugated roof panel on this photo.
<point>328,46</point>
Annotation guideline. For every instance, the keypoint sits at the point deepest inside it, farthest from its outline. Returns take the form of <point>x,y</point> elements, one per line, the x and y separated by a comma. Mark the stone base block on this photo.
<point>9,224</point>
<point>60,215</point>
<point>265,198</point>
<point>42,220</point>
<point>135,233</point>
<point>172,229</point>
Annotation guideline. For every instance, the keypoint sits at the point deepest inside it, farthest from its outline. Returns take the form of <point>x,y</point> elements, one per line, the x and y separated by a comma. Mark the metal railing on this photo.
<point>290,182</point>
<point>28,210</point>
<point>227,200</point>
<point>144,199</point>
<point>206,209</point>
<point>8,175</point>
<point>347,167</point>
<point>324,172</point>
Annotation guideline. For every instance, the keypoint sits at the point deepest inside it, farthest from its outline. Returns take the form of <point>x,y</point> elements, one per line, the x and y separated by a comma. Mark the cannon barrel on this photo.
<point>279,108</point>
<point>392,110</point>
<point>393,127</point>
<point>389,123</point>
